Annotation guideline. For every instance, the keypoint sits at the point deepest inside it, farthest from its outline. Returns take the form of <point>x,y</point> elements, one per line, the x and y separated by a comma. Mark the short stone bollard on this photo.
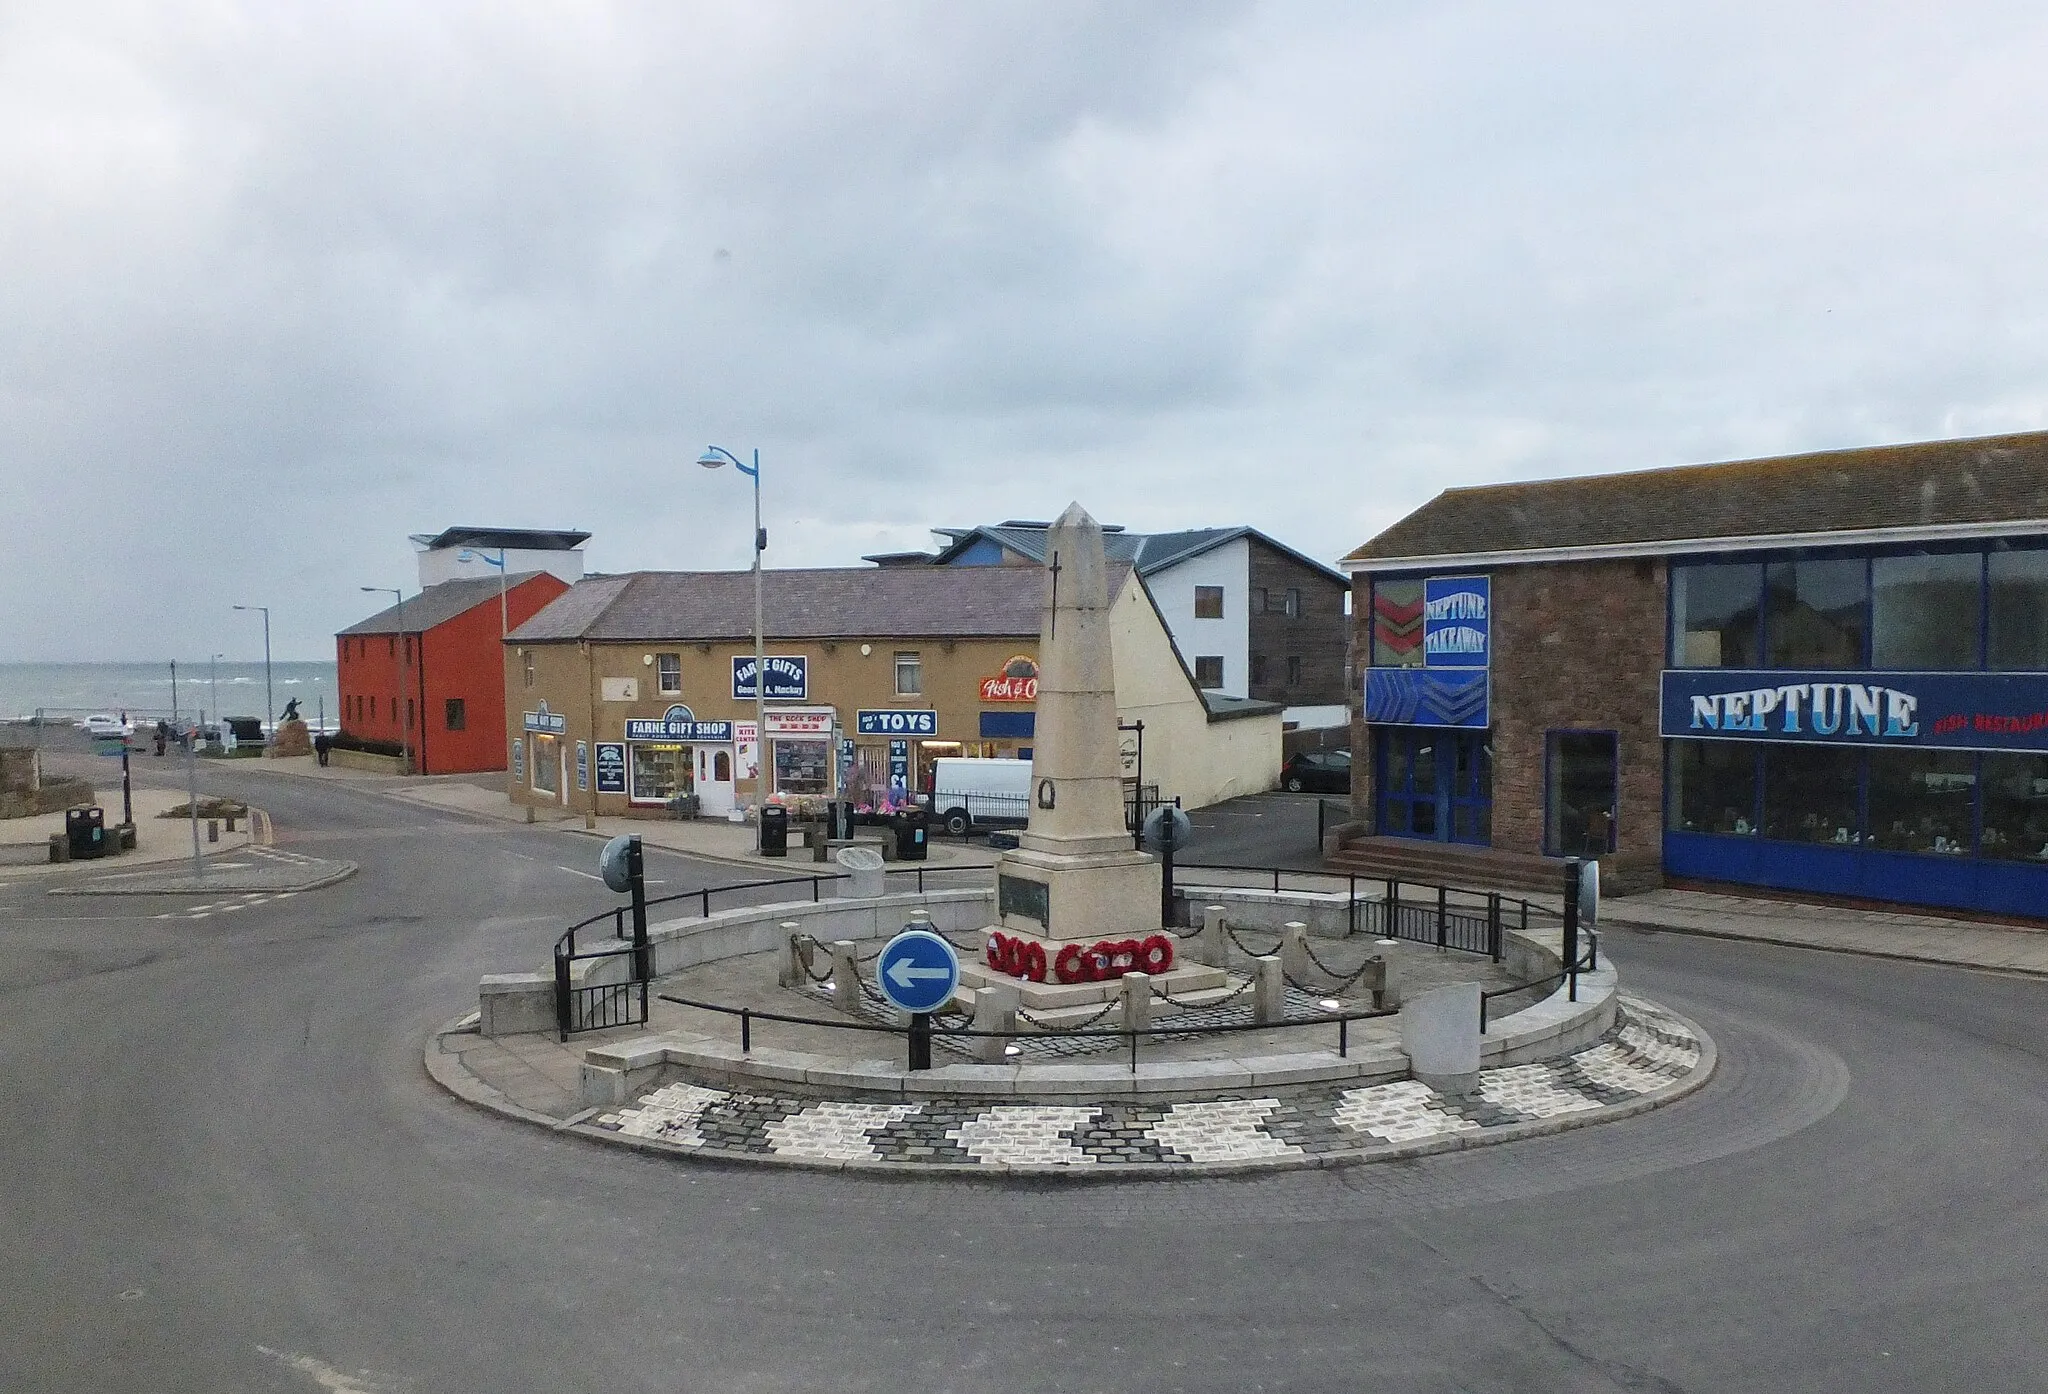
<point>863,867</point>
<point>212,830</point>
<point>919,919</point>
<point>60,847</point>
<point>1390,993</point>
<point>1137,1001</point>
<point>995,1009</point>
<point>1440,1033</point>
<point>231,822</point>
<point>1213,947</point>
<point>1269,990</point>
<point>845,977</point>
<point>1294,951</point>
<point>796,968</point>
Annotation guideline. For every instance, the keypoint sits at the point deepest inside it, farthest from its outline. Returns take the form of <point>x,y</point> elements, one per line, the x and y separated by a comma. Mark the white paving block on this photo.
<point>1025,1135</point>
<point>670,1113</point>
<point>1531,1090</point>
<point>834,1131</point>
<point>1406,1111</point>
<point>1222,1130</point>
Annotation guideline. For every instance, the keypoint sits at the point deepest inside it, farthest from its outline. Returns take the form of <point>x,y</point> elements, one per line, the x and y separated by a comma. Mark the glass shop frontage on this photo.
<point>1871,724</point>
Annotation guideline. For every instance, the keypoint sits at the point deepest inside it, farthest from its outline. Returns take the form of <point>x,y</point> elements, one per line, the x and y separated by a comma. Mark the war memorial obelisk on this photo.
<point>1074,874</point>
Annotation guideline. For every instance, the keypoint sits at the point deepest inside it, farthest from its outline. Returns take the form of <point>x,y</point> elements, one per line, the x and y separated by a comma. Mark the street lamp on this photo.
<point>404,673</point>
<point>268,709</point>
<point>213,681</point>
<point>712,458</point>
<point>472,554</point>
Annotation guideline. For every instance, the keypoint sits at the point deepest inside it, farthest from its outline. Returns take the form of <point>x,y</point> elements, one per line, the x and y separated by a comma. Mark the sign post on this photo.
<point>918,972</point>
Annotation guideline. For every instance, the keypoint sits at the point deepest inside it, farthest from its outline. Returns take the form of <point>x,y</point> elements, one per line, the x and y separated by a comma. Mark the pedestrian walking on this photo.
<point>321,745</point>
<point>163,735</point>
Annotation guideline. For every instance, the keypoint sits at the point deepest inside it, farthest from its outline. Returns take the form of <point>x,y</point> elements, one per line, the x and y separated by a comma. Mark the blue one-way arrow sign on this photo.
<point>918,971</point>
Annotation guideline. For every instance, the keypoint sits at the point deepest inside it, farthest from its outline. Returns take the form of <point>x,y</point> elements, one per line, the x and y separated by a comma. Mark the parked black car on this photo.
<point>1324,771</point>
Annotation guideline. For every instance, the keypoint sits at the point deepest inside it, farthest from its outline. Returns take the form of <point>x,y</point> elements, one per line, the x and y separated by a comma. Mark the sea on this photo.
<point>145,691</point>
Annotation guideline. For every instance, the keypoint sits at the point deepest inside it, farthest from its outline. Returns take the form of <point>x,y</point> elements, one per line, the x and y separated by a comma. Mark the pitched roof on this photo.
<point>1149,552</point>
<point>854,602</point>
<point>518,539</point>
<point>437,605</point>
<point>1927,485</point>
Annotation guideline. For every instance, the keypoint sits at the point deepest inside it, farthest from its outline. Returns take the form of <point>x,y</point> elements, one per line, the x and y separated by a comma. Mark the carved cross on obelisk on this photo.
<point>1054,568</point>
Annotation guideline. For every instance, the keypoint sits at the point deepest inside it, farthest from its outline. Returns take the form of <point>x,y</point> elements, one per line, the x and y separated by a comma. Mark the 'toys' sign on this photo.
<point>918,971</point>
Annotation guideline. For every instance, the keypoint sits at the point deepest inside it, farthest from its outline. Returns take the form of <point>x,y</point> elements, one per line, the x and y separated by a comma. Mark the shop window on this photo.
<point>1580,810</point>
<point>1816,613</point>
<point>547,771</point>
<point>1925,612</point>
<point>659,772</point>
<point>1209,671</point>
<point>2019,611</point>
<point>455,714</point>
<point>668,670</point>
<point>1397,624</point>
<point>1208,602</point>
<point>2016,807</point>
<point>909,675</point>
<point>721,768</point>
<point>803,767</point>
<point>1258,669</point>
<point>1293,671</point>
<point>1714,615</point>
<point>1713,787</point>
<point>526,665</point>
<point>1810,794</point>
<point>1923,800</point>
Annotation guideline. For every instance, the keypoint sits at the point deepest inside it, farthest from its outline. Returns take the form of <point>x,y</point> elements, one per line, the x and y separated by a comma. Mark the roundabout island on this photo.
<point>1076,1014</point>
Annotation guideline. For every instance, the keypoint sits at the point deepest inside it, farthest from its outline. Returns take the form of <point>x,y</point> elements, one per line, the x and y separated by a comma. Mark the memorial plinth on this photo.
<point>1074,873</point>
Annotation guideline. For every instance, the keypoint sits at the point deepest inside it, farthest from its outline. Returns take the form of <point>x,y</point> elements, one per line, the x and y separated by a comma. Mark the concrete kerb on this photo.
<point>1650,926</point>
<point>445,1069</point>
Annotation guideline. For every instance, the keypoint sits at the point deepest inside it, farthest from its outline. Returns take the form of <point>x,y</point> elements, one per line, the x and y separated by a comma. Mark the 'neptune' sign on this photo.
<point>1457,615</point>
<point>1957,711</point>
<point>788,677</point>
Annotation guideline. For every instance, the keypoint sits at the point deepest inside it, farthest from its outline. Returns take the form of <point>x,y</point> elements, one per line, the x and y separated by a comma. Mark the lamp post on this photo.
<point>472,554</point>
<point>713,457</point>
<point>213,684</point>
<point>404,673</point>
<point>268,709</point>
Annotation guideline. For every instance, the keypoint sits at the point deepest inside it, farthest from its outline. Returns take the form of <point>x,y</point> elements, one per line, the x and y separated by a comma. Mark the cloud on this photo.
<point>288,283</point>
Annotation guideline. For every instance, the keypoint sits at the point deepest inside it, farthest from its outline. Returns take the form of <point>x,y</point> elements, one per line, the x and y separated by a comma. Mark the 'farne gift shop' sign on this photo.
<point>1955,711</point>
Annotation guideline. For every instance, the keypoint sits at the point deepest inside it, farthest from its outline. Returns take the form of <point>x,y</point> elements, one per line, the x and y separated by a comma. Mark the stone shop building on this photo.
<point>1821,673</point>
<point>633,689</point>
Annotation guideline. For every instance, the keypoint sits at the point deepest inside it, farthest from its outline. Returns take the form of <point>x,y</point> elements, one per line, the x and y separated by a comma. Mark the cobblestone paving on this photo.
<point>1647,1050</point>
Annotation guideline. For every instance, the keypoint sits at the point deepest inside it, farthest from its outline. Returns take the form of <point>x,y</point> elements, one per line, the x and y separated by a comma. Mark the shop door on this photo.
<point>1436,785</point>
<point>714,780</point>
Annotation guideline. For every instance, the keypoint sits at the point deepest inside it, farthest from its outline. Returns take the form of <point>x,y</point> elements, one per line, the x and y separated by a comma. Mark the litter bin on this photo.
<point>85,830</point>
<point>774,830</point>
<point>910,826</point>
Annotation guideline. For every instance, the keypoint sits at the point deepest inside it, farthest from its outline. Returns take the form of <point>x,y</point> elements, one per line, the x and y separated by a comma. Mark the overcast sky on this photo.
<point>282,284</point>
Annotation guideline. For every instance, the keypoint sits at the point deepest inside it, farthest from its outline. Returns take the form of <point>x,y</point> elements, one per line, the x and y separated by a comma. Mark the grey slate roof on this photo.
<point>854,602</point>
<point>1986,480</point>
<point>1149,552</point>
<point>437,605</point>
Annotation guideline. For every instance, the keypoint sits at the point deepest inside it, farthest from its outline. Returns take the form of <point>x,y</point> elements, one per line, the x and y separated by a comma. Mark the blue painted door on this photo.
<point>1435,785</point>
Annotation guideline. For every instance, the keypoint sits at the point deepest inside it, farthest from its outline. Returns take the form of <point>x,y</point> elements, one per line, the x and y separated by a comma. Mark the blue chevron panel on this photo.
<point>1425,697</point>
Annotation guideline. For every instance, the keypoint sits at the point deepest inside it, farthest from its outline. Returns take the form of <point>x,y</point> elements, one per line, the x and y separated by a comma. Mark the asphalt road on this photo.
<point>224,1169</point>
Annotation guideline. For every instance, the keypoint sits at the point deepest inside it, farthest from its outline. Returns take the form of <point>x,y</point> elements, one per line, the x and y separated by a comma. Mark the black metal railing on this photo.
<point>1567,973</point>
<point>747,1016</point>
<point>595,1007</point>
<point>1445,917</point>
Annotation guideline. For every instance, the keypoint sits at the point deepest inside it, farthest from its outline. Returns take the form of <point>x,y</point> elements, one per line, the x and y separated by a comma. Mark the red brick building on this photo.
<point>450,666</point>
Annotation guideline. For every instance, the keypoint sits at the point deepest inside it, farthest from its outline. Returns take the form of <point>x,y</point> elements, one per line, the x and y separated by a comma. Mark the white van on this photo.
<point>986,793</point>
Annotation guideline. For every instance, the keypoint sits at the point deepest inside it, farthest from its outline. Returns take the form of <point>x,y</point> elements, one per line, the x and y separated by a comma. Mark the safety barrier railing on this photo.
<point>749,1015</point>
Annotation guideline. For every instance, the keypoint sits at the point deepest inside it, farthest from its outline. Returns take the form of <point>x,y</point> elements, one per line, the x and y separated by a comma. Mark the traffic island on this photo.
<point>1648,1057</point>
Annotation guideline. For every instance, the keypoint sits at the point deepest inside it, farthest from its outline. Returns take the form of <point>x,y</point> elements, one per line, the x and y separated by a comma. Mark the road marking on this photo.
<point>588,876</point>
<point>323,1374</point>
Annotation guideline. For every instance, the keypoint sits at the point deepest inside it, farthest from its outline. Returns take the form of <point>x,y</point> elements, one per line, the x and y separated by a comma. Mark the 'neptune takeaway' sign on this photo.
<point>1456,621</point>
